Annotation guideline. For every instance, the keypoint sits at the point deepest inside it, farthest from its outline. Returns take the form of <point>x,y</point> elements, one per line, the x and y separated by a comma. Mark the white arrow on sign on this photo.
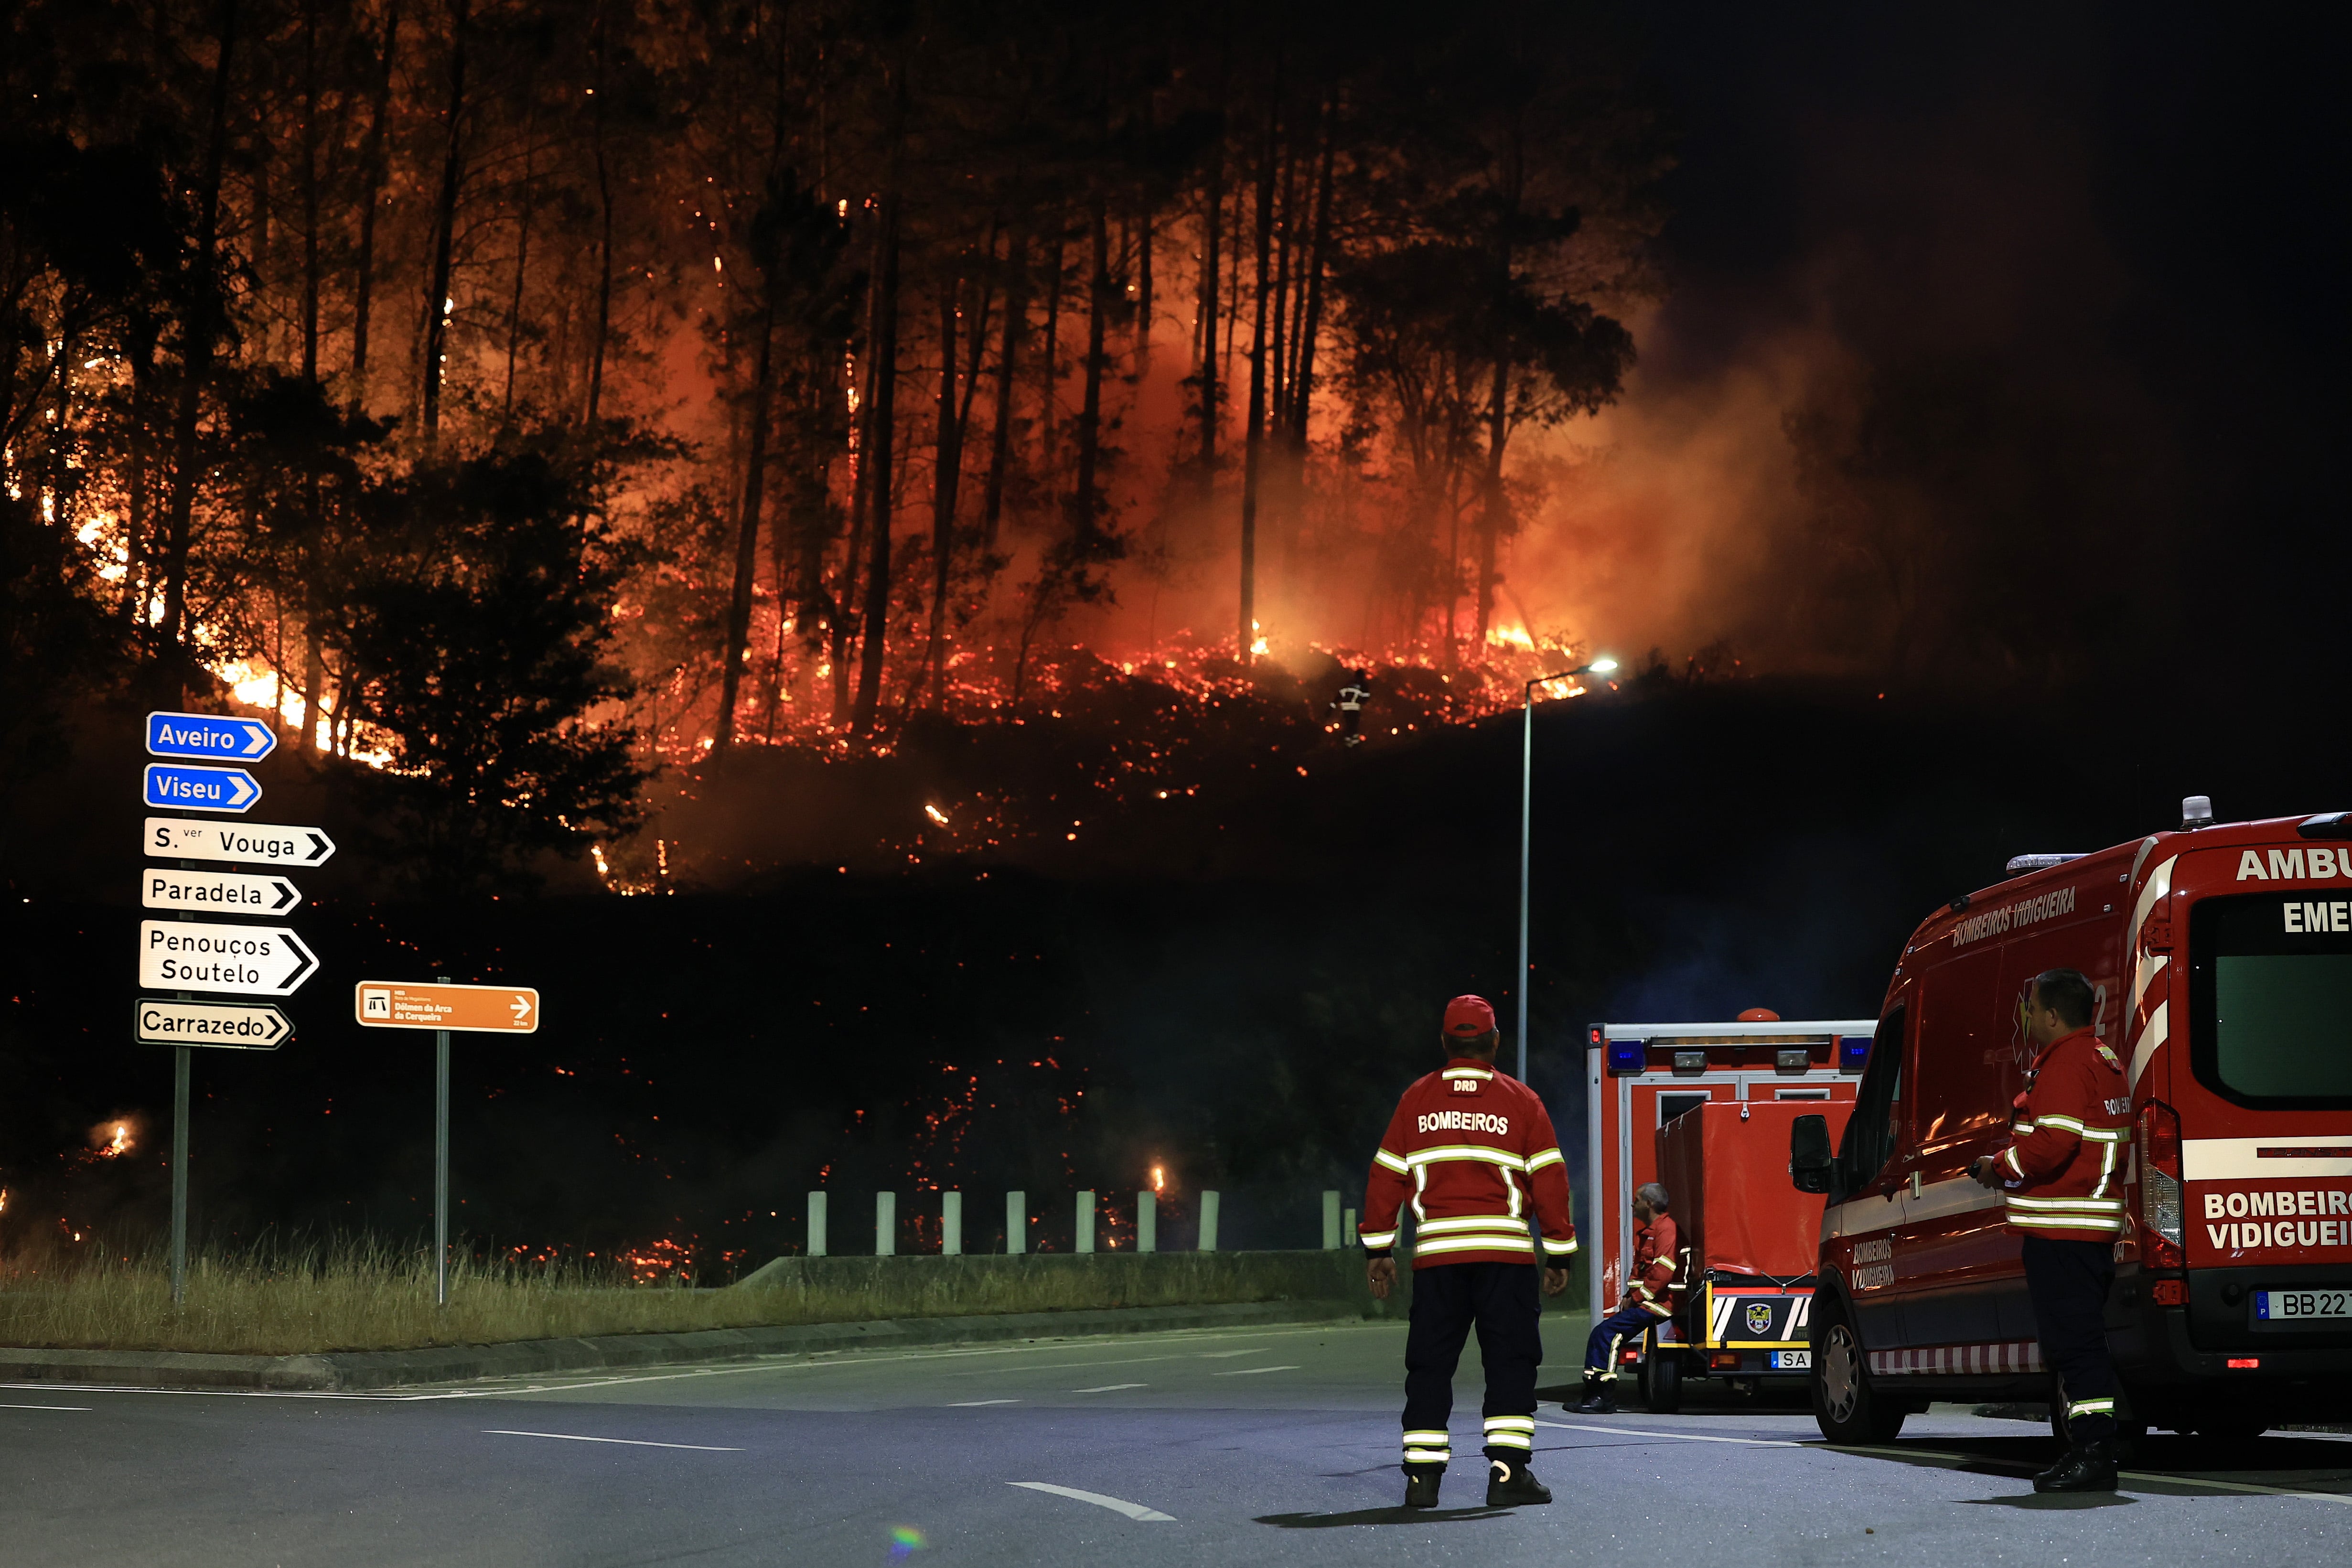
<point>246,843</point>
<point>242,1025</point>
<point>198,956</point>
<point>230,892</point>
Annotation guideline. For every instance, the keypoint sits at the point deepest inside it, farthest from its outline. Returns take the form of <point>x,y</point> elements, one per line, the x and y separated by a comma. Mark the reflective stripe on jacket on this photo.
<point>2068,1143</point>
<point>1474,1152</point>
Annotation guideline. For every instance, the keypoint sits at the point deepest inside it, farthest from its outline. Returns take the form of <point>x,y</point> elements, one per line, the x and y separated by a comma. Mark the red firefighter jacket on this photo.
<point>1654,1262</point>
<point>2065,1154</point>
<point>1474,1149</point>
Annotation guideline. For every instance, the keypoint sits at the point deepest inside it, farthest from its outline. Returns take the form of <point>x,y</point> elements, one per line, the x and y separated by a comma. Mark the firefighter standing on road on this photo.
<point>2062,1171</point>
<point>1649,1300</point>
<point>1474,1149</point>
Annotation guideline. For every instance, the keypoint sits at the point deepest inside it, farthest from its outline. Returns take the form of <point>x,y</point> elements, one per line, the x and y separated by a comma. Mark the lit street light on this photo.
<point>1527,783</point>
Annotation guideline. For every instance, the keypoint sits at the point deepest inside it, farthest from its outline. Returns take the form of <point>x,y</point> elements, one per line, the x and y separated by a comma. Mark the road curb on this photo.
<point>356,1372</point>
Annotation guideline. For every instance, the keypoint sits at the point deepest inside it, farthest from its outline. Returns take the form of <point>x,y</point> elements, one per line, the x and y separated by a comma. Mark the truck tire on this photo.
<point>1845,1406</point>
<point>1662,1381</point>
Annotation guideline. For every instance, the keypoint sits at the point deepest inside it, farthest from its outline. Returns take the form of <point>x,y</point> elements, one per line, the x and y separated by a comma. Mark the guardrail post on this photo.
<point>1147,1221</point>
<point>1330,1219</point>
<point>816,1225</point>
<point>1085,1222</point>
<point>886,1224</point>
<point>1016,1223</point>
<point>1211,1203</point>
<point>1347,1227</point>
<point>951,1225</point>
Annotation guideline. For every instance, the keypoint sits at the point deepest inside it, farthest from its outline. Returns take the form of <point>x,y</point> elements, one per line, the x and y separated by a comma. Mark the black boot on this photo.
<point>1510,1484</point>
<point>2089,1469</point>
<point>1600,1397</point>
<point>1421,1485</point>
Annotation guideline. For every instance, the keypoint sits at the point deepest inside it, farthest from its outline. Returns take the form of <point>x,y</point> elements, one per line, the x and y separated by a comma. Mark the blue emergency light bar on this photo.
<point>1626,1058</point>
<point>1853,1052</point>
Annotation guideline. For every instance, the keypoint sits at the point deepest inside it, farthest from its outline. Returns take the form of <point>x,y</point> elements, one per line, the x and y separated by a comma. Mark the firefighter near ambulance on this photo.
<point>1649,1298</point>
<point>1472,1151</point>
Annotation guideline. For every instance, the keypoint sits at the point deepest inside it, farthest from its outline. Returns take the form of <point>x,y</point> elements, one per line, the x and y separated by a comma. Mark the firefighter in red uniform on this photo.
<point>1474,1151</point>
<point>1649,1299</point>
<point>2063,1171</point>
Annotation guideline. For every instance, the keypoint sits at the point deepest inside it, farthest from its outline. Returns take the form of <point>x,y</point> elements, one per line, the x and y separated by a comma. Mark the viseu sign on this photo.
<point>203,789</point>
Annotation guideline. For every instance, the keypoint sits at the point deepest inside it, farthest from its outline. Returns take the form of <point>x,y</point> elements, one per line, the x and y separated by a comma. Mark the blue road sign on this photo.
<point>201,789</point>
<point>211,735</point>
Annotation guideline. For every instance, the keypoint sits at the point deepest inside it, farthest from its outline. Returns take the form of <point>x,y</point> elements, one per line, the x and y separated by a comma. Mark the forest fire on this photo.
<point>111,1139</point>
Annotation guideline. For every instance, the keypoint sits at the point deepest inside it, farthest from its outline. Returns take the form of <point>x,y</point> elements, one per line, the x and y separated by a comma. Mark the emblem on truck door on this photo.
<point>1759,1318</point>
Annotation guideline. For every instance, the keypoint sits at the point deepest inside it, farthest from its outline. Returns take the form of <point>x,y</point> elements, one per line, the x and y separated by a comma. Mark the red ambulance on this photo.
<point>2221,956</point>
<point>1704,1110</point>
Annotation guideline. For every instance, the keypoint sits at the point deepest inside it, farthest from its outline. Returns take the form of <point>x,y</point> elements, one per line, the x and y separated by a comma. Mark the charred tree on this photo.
<point>438,304</point>
<point>374,170</point>
<point>1255,438</point>
<point>947,471</point>
<point>1000,441</point>
<point>874,641</point>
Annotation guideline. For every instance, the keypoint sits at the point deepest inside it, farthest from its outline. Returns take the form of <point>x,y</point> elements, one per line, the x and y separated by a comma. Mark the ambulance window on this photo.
<point>1870,1135</point>
<point>2271,999</point>
<point>1673,1105</point>
<point>1964,1071</point>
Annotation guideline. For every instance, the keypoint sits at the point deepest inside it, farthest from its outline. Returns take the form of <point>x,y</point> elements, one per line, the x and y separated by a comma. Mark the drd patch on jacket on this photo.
<point>1463,1085</point>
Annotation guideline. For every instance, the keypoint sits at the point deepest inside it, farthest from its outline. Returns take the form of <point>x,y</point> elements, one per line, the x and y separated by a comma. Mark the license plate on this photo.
<point>1792,1360</point>
<point>2300,1306</point>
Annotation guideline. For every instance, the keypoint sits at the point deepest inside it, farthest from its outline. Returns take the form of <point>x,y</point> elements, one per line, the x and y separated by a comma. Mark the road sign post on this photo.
<point>181,1061</point>
<point>441,1008</point>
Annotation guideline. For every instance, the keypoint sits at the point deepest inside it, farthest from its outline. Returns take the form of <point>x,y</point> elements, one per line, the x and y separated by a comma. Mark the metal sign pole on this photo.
<point>441,1164</point>
<point>183,1055</point>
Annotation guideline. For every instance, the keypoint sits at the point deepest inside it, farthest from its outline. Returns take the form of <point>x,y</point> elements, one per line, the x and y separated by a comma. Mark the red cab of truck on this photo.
<point>2221,955</point>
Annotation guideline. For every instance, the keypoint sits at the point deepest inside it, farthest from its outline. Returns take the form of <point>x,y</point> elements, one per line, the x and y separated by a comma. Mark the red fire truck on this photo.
<point>2222,959</point>
<point>1704,1110</point>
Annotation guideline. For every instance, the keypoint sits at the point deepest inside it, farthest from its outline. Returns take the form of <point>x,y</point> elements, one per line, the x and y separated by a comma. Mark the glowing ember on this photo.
<point>1158,1178</point>
<point>111,1139</point>
<point>936,814</point>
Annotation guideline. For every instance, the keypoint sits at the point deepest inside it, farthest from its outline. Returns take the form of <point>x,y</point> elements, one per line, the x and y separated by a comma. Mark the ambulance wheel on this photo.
<point>1662,1382</point>
<point>1845,1406</point>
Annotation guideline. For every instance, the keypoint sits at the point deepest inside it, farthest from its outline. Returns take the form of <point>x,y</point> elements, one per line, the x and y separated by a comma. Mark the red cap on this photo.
<point>1468,1017</point>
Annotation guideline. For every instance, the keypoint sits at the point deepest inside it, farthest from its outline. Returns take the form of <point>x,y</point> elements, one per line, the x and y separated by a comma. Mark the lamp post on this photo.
<point>1526,819</point>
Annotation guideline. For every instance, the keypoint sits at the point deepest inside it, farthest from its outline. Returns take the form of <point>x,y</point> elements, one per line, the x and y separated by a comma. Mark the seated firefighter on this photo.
<point>1649,1300</point>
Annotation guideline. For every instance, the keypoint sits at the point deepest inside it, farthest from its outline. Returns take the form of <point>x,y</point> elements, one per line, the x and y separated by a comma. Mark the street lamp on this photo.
<point>1526,782</point>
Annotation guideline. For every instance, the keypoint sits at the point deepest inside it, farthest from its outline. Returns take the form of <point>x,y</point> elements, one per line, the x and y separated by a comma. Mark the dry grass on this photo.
<point>363,1297</point>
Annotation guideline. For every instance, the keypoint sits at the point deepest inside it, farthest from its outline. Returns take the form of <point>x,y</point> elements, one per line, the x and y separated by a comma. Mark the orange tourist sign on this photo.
<point>404,1004</point>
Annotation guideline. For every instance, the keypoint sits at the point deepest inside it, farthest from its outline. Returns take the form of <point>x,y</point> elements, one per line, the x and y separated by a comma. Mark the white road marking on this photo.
<point>624,1442</point>
<point>1679,1436</point>
<point>44,1407</point>
<point>1116,1505</point>
<point>1109,1388</point>
<point>968,1404</point>
<point>1252,1371</point>
<point>1223,1355</point>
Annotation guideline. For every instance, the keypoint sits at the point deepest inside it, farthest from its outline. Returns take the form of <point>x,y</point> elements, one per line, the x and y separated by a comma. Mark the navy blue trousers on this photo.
<point>2068,1282</point>
<point>1448,1300</point>
<point>1600,1350</point>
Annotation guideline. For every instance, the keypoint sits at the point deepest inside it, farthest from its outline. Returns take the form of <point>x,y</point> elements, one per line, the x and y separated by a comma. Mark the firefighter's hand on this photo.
<point>1381,1275</point>
<point>1555,1281</point>
<point>1986,1169</point>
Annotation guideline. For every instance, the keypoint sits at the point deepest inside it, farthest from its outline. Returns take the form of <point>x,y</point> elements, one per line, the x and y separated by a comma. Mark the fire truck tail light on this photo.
<point>1724,1360</point>
<point>2161,1206</point>
<point>1629,1357</point>
<point>2169,1292</point>
<point>2244,1362</point>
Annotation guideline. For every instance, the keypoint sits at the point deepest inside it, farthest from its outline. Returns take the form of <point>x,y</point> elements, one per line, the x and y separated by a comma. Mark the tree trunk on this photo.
<point>999,444</point>
<point>1494,517</point>
<point>747,528</point>
<point>374,158</point>
<point>604,235</point>
<point>946,474</point>
<point>201,326</point>
<point>310,191</point>
<point>1049,370</point>
<point>1302,383</point>
<point>877,628</point>
<point>438,303</point>
<point>1255,438</point>
<point>1212,209</point>
<point>1143,292</point>
<point>1085,509</point>
<point>522,261</point>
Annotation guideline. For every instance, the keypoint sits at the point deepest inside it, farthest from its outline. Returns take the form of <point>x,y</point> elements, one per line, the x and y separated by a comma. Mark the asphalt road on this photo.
<point>1267,1445</point>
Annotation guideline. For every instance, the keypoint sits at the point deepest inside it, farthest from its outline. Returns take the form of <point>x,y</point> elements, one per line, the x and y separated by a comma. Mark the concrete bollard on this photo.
<point>886,1224</point>
<point>951,1225</point>
<point>1146,1222</point>
<point>1016,1223</point>
<point>1211,1203</point>
<point>1347,1227</point>
<point>1330,1219</point>
<point>816,1225</point>
<point>1084,1231</point>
